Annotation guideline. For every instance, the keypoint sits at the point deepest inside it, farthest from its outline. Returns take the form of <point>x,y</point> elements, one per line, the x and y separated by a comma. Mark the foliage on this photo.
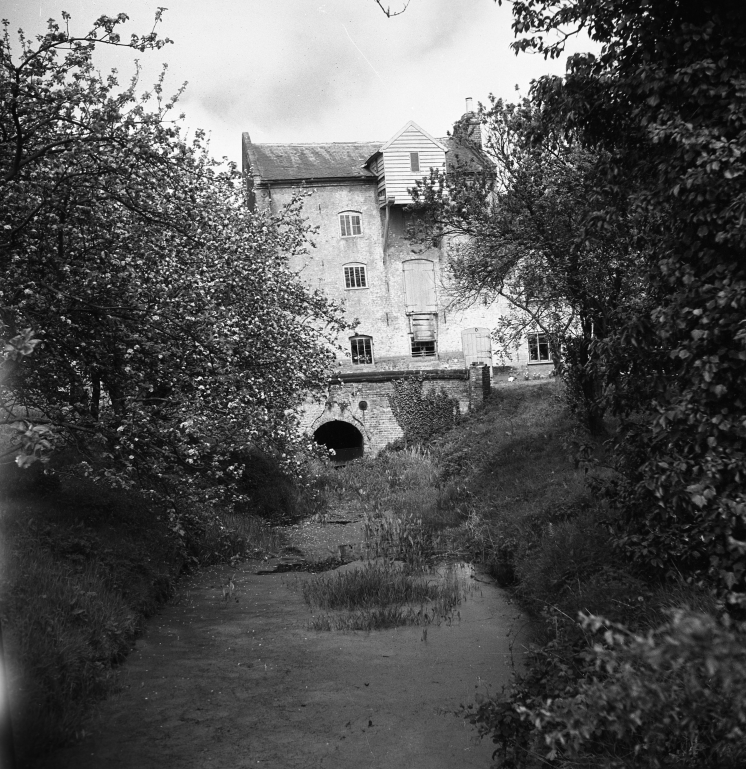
<point>421,415</point>
<point>662,109</point>
<point>170,332</point>
<point>673,696</point>
<point>666,98</point>
<point>523,229</point>
<point>485,490</point>
<point>401,486</point>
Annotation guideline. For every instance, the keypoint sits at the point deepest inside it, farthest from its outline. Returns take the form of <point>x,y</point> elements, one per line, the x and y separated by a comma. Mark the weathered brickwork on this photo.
<point>375,419</point>
<point>380,306</point>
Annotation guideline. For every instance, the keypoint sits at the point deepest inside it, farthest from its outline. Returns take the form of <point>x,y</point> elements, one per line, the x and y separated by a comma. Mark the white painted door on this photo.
<point>477,346</point>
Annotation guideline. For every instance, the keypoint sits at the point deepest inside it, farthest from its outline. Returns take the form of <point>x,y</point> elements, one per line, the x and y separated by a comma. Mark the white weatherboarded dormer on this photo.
<point>408,156</point>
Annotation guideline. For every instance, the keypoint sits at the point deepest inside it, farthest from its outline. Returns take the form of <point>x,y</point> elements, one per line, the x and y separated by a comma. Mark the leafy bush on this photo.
<point>564,555</point>
<point>422,415</point>
<point>65,629</point>
<point>675,696</point>
<point>147,333</point>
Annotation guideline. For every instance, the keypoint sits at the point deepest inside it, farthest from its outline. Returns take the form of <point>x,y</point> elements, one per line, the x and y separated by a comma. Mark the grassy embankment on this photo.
<point>82,567</point>
<point>656,679</point>
<point>500,489</point>
<point>504,488</point>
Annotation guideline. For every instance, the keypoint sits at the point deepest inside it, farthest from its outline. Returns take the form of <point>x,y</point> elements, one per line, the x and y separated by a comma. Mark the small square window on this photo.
<point>538,348</point>
<point>362,349</point>
<point>350,225</point>
<point>414,161</point>
<point>422,349</point>
<point>355,276</point>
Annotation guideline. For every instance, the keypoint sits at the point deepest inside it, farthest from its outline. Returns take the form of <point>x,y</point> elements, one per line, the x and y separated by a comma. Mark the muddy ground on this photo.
<point>245,683</point>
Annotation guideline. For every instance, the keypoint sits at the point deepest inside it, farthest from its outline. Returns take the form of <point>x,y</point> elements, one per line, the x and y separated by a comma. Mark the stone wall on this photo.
<point>362,400</point>
<point>380,307</point>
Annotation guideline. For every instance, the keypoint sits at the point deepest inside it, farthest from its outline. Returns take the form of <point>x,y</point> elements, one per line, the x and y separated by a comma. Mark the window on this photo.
<point>362,349</point>
<point>355,276</point>
<point>424,334</point>
<point>350,224</point>
<point>414,161</point>
<point>422,349</point>
<point>538,348</point>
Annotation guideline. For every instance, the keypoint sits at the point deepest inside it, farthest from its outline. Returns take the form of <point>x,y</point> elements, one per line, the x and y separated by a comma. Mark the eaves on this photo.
<point>324,181</point>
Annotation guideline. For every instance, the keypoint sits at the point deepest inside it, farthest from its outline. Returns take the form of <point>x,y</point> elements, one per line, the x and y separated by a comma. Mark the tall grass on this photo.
<point>380,595</point>
<point>374,584</point>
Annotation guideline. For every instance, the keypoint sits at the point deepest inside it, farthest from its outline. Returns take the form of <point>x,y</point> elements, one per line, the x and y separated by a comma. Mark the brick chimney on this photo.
<point>472,128</point>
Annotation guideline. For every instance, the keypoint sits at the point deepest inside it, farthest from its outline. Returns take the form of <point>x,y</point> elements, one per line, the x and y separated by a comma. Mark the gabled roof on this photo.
<point>286,162</point>
<point>412,124</point>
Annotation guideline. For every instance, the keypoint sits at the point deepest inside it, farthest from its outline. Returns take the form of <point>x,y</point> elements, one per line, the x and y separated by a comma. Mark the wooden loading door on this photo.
<point>419,286</point>
<point>477,346</point>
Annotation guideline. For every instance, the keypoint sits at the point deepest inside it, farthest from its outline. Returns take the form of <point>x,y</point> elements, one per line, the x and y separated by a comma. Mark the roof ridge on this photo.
<point>307,144</point>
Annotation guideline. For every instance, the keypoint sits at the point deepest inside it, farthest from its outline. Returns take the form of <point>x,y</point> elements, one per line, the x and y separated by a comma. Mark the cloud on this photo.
<point>315,70</point>
<point>439,24</point>
<point>287,73</point>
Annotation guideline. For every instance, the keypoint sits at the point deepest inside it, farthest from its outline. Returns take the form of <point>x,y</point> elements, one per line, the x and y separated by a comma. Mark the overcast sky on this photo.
<point>314,70</point>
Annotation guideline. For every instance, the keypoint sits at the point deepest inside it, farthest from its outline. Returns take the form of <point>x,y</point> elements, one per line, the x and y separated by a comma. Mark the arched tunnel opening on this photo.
<point>344,438</point>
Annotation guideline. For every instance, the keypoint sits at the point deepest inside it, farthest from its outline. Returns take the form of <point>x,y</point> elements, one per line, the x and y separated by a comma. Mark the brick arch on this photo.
<point>341,435</point>
<point>338,416</point>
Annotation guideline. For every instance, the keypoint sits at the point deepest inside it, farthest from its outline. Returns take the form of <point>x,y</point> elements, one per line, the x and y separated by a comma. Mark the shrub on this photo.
<point>422,415</point>
<point>565,554</point>
<point>600,695</point>
<point>675,696</point>
<point>268,490</point>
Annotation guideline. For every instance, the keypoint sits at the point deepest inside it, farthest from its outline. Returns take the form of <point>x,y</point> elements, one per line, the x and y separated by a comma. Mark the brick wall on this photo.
<point>376,422</point>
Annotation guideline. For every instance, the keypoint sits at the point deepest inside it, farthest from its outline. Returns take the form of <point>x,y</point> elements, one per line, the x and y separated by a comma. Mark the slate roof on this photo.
<point>462,157</point>
<point>337,160</point>
<point>285,162</point>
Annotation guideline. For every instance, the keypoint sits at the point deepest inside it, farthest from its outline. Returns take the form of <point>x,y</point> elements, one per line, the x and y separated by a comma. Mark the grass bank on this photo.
<point>624,671</point>
<point>82,567</point>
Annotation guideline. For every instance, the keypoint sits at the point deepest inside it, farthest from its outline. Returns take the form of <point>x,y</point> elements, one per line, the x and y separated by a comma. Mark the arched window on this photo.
<point>356,276</point>
<point>351,224</point>
<point>361,349</point>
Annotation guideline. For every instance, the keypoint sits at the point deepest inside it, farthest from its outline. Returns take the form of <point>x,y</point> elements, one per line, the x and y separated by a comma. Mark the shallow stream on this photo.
<point>240,680</point>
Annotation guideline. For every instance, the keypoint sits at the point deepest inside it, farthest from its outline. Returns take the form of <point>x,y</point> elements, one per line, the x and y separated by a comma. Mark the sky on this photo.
<point>313,70</point>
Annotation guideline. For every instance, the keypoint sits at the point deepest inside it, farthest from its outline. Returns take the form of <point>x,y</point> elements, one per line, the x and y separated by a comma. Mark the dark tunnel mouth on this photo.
<point>344,438</point>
